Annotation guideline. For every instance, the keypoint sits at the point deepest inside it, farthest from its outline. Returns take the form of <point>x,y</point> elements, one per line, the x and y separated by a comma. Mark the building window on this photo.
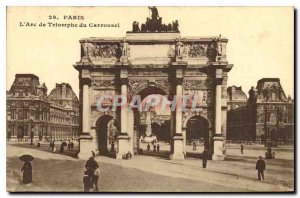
<point>273,118</point>
<point>273,96</point>
<point>25,114</point>
<point>20,115</point>
<point>12,114</point>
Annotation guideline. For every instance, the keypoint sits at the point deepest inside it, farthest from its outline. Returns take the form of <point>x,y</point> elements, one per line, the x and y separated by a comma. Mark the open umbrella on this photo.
<point>64,144</point>
<point>26,158</point>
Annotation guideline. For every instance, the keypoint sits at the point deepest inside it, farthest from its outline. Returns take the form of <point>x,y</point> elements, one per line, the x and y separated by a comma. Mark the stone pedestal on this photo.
<point>86,147</point>
<point>177,148</point>
<point>123,146</point>
<point>218,148</point>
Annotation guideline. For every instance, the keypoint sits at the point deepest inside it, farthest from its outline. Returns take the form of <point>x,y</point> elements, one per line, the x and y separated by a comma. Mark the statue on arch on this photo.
<point>175,26</point>
<point>179,48</point>
<point>87,50</point>
<point>219,46</point>
<point>154,12</point>
<point>135,26</point>
<point>252,94</point>
<point>125,49</point>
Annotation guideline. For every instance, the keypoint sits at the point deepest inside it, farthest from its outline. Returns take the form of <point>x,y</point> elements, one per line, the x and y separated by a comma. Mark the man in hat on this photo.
<point>204,158</point>
<point>260,167</point>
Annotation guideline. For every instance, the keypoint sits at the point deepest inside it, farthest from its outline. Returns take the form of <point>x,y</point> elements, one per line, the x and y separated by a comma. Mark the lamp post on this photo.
<point>31,132</point>
<point>265,125</point>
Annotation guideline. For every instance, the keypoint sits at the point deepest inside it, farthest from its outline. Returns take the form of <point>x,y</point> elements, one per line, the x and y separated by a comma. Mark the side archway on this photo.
<point>197,130</point>
<point>103,134</point>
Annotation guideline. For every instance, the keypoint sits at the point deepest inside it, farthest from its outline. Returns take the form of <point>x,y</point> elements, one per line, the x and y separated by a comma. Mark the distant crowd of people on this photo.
<point>156,147</point>
<point>70,146</point>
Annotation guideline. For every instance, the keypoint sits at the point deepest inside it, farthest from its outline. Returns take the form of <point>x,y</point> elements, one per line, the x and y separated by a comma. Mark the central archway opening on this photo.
<point>153,125</point>
<point>197,136</point>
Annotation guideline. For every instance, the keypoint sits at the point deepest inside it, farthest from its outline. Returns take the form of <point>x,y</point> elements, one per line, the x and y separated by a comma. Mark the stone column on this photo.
<point>177,141</point>
<point>123,138</point>
<point>86,145</point>
<point>218,138</point>
<point>130,130</point>
<point>124,108</point>
<point>85,109</point>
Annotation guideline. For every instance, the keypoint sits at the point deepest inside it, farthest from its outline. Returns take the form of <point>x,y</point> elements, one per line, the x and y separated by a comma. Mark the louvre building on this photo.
<point>267,115</point>
<point>33,113</point>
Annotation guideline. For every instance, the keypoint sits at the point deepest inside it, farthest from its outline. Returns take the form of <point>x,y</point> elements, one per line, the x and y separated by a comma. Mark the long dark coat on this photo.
<point>27,173</point>
<point>204,155</point>
<point>260,165</point>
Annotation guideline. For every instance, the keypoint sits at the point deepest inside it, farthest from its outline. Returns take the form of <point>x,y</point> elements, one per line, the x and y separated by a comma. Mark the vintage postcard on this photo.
<point>150,99</point>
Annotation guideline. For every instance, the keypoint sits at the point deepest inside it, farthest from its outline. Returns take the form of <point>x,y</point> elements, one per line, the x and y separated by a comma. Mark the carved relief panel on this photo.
<point>202,83</point>
<point>200,97</point>
<point>100,50</point>
<point>103,84</point>
<point>200,50</point>
<point>106,101</point>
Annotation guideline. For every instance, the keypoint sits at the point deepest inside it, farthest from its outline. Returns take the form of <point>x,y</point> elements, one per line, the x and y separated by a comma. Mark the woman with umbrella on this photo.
<point>27,168</point>
<point>62,146</point>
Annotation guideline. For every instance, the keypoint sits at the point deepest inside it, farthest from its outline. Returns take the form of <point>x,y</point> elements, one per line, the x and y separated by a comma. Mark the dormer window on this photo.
<point>273,96</point>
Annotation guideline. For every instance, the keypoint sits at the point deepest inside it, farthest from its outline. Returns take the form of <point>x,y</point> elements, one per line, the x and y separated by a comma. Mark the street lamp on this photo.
<point>31,132</point>
<point>265,125</point>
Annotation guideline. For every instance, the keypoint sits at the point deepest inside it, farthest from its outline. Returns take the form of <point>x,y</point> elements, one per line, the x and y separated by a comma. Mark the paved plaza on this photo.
<point>57,172</point>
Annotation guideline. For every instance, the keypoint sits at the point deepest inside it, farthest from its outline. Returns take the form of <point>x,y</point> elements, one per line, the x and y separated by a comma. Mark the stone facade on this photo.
<point>64,112</point>
<point>153,63</point>
<point>33,114</point>
<point>268,114</point>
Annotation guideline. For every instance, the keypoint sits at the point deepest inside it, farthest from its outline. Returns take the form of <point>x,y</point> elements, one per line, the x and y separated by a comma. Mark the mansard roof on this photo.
<point>63,95</point>
<point>27,84</point>
<point>235,93</point>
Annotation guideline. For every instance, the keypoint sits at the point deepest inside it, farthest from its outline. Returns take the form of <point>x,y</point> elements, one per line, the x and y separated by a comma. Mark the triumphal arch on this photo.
<point>152,59</point>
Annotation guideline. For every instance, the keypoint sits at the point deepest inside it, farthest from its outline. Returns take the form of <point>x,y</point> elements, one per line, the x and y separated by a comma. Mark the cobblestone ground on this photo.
<point>56,172</point>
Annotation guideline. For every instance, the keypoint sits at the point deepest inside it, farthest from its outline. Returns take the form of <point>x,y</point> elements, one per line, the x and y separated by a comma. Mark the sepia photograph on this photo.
<point>150,99</point>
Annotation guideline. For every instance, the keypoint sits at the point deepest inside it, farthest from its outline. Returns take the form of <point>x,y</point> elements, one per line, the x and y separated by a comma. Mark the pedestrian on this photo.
<point>269,153</point>
<point>54,149</point>
<point>158,147</point>
<point>260,167</point>
<point>50,146</point>
<point>96,177</point>
<point>27,172</point>
<point>242,149</point>
<point>69,145</point>
<point>61,148</point>
<point>72,145</point>
<point>194,145</point>
<point>90,166</point>
<point>112,149</point>
<point>273,155</point>
<point>148,147</point>
<point>86,180</point>
<point>204,158</point>
<point>128,155</point>
<point>154,148</point>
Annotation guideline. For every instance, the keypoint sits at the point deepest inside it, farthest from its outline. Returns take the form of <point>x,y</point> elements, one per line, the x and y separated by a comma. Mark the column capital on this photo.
<point>122,65</point>
<point>86,81</point>
<point>179,64</point>
<point>178,81</point>
<point>219,81</point>
<point>124,81</point>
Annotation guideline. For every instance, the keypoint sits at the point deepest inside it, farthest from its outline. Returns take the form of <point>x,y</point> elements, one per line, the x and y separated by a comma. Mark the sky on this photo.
<point>261,39</point>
